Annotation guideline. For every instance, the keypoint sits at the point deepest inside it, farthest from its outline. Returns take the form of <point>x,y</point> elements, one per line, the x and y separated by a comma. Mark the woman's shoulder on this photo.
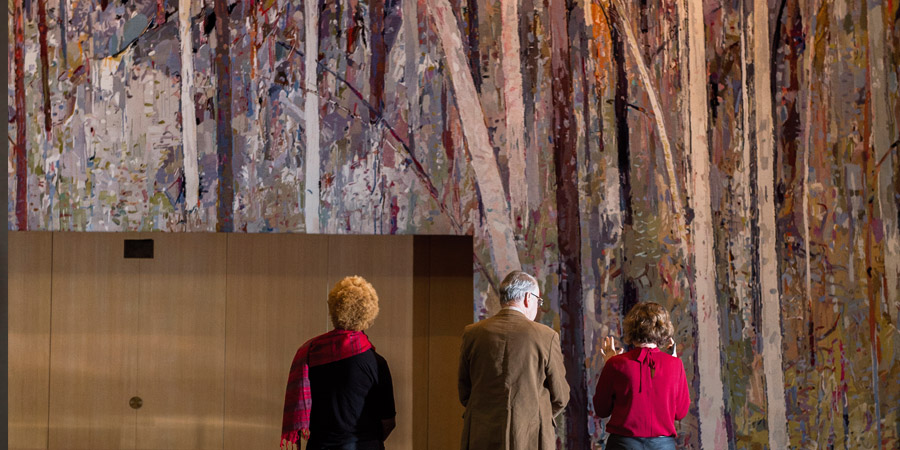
<point>668,359</point>
<point>622,360</point>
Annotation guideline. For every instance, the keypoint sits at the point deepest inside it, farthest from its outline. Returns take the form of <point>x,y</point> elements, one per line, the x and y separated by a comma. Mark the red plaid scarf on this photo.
<point>332,346</point>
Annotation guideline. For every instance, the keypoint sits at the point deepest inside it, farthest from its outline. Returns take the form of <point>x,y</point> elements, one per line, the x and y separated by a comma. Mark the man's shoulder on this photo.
<point>474,329</point>
<point>485,323</point>
<point>545,329</point>
<point>542,331</point>
<point>504,318</point>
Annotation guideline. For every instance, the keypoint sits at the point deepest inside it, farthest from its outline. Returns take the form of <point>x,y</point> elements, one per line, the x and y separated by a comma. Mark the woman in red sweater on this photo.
<point>643,390</point>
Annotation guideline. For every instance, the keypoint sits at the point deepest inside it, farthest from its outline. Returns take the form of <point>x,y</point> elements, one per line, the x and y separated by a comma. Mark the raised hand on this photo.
<point>674,347</point>
<point>608,349</point>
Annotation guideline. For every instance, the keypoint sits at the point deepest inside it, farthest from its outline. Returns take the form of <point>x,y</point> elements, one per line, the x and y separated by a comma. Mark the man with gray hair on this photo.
<point>512,381</point>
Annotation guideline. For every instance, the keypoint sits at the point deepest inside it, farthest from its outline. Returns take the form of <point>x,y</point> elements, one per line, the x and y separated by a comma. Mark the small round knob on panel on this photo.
<point>135,403</point>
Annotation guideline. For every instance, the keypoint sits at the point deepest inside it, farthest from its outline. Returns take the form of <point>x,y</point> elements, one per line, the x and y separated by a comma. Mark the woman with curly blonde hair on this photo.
<point>340,373</point>
<point>644,390</point>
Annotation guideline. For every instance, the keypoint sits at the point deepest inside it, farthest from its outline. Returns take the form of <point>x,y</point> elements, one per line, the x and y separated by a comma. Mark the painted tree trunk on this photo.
<point>683,102</point>
<point>410,14</point>
<point>565,152</point>
<point>473,50</point>
<point>746,178</point>
<point>504,255</point>
<point>311,159</point>
<point>45,66</point>
<point>806,142</point>
<point>376,67</point>
<point>882,139</point>
<point>21,148</point>
<point>515,110</point>
<point>61,20</point>
<point>711,403</point>
<point>768,262</point>
<point>875,139</point>
<point>789,176</point>
<point>620,106</point>
<point>188,112</point>
<point>224,131</point>
<point>874,270</point>
<point>594,168</point>
<point>530,58</point>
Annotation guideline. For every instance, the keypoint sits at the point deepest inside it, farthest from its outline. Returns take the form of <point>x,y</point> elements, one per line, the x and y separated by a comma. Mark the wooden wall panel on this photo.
<point>28,369</point>
<point>421,313</point>
<point>93,359</point>
<point>387,263</point>
<point>181,348</point>
<point>443,307</point>
<point>276,293</point>
<point>450,296</point>
<point>205,332</point>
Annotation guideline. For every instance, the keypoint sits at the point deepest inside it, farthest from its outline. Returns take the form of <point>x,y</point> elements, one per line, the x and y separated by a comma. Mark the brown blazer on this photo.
<point>512,382</point>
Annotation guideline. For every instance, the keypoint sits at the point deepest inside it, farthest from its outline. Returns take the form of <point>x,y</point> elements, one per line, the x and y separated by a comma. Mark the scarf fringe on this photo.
<point>294,436</point>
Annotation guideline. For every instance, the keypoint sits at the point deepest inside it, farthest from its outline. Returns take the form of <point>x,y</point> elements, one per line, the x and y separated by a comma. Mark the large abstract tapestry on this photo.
<point>734,160</point>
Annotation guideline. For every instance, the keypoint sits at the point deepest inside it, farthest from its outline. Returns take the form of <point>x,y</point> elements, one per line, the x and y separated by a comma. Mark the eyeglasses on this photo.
<point>539,299</point>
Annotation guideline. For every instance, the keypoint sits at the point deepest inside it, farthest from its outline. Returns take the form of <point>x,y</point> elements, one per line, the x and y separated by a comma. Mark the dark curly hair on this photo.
<point>648,323</point>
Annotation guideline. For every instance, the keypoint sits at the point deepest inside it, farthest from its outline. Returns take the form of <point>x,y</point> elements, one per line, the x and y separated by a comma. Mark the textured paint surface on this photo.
<point>711,402</point>
<point>765,200</point>
<point>568,138</point>
<point>188,111</point>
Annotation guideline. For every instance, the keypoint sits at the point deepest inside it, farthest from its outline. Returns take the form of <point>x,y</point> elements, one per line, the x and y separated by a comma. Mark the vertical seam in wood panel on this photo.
<point>327,273</point>
<point>49,340</point>
<point>428,340</point>
<point>225,344</point>
<point>137,364</point>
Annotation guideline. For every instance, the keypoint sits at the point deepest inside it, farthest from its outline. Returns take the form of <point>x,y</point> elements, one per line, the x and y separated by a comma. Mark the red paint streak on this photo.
<point>265,11</point>
<point>395,210</point>
<point>352,30</point>
<point>379,54</point>
<point>160,12</point>
<point>446,133</point>
<point>21,156</point>
<point>224,130</point>
<point>271,48</point>
<point>447,141</point>
<point>45,66</point>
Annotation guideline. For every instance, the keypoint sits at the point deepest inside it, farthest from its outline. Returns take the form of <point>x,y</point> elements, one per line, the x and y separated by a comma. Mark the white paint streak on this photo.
<point>881,141</point>
<point>411,66</point>
<point>683,52</point>
<point>310,196</point>
<point>188,114</point>
<point>515,107</point>
<point>412,57</point>
<point>503,248</point>
<point>768,261</point>
<point>711,403</point>
<point>804,165</point>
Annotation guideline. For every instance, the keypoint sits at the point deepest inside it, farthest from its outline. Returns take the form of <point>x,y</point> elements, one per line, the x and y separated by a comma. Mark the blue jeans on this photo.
<point>616,442</point>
